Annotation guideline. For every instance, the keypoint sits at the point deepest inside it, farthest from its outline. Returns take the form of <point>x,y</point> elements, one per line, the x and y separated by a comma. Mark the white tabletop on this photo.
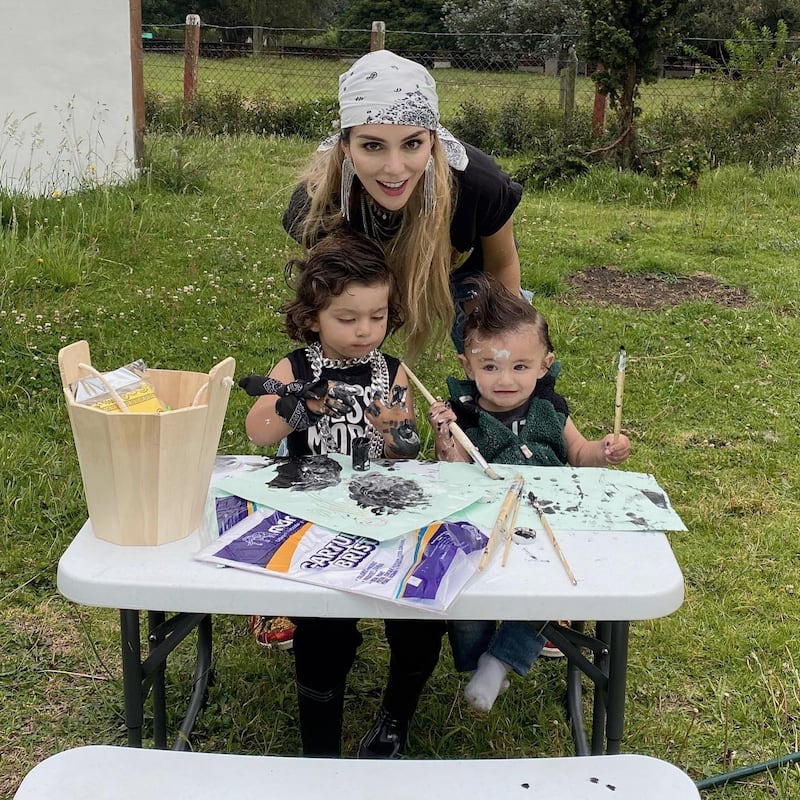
<point>621,576</point>
<point>132,774</point>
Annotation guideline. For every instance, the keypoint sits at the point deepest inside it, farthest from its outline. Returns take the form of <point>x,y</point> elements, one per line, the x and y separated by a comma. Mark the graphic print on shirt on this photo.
<point>346,429</point>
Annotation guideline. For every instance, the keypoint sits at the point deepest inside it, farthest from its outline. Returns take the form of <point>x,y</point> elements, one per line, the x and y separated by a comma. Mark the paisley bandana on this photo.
<point>382,88</point>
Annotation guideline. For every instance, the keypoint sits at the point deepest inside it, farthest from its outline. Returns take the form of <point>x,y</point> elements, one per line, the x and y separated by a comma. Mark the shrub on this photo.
<point>477,124</point>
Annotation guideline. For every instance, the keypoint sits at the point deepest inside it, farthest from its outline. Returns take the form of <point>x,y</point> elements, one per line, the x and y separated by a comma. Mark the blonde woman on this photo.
<point>441,209</point>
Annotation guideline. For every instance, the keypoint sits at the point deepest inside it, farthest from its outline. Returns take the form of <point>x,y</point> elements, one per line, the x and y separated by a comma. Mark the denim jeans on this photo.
<point>516,643</point>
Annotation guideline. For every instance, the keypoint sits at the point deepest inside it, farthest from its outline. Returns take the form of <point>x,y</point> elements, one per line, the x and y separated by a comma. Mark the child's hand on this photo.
<point>440,417</point>
<point>387,414</point>
<point>616,453</point>
<point>335,399</point>
<point>399,431</point>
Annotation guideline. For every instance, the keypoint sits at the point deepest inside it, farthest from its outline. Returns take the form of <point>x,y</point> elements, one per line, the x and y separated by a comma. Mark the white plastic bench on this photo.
<point>122,773</point>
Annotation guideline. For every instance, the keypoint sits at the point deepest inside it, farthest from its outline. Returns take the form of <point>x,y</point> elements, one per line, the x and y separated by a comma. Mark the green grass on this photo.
<point>185,267</point>
<point>308,79</point>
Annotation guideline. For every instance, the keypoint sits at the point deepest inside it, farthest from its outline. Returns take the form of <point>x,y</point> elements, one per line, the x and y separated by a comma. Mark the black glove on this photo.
<point>291,406</point>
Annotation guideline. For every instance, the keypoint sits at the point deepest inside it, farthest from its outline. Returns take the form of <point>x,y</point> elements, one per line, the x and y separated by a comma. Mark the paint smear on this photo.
<point>384,494</point>
<point>306,474</point>
<point>656,498</point>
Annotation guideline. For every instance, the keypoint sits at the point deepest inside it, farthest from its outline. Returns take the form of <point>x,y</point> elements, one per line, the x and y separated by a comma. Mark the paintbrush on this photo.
<point>620,388</point>
<point>511,526</point>
<point>458,434</point>
<point>504,518</point>
<point>550,535</point>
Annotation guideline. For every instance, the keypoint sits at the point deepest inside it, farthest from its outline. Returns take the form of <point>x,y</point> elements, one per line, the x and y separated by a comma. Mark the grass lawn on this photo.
<point>185,268</point>
<point>310,79</point>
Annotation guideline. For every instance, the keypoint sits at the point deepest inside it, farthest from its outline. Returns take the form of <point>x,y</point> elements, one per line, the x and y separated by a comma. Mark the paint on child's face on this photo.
<point>354,322</point>
<point>506,367</point>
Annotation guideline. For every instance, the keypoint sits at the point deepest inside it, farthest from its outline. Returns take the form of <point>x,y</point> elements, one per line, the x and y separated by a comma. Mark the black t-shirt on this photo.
<point>343,429</point>
<point>485,199</point>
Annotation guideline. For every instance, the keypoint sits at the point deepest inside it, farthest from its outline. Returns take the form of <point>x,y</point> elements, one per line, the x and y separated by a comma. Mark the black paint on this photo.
<point>311,473</point>
<point>656,498</point>
<point>386,495</point>
<point>361,461</point>
<point>404,439</point>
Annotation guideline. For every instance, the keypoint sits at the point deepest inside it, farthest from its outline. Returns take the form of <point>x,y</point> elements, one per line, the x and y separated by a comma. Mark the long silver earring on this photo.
<point>428,188</point>
<point>346,187</point>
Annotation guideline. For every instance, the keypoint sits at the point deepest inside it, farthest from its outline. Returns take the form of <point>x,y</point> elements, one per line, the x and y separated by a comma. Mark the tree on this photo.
<point>623,37</point>
<point>550,24</point>
<point>421,16</point>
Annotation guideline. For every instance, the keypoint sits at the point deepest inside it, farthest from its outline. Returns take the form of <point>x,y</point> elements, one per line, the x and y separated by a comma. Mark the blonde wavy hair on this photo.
<point>420,253</point>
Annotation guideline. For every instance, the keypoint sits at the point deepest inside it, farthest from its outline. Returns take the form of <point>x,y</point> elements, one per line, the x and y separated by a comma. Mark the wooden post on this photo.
<point>191,58</point>
<point>599,111</point>
<point>137,81</point>
<point>568,77</point>
<point>377,40</point>
<point>258,40</point>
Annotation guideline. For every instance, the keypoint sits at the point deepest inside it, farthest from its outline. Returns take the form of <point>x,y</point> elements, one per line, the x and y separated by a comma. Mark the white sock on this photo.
<point>488,681</point>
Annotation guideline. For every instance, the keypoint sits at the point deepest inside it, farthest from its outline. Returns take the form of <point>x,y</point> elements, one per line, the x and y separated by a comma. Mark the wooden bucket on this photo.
<point>146,476</point>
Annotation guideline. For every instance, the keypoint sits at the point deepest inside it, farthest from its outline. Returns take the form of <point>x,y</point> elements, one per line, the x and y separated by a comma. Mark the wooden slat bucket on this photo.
<point>146,475</point>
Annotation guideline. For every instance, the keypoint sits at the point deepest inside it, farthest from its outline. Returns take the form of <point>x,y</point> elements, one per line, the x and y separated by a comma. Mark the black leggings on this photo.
<point>324,652</point>
<point>325,649</point>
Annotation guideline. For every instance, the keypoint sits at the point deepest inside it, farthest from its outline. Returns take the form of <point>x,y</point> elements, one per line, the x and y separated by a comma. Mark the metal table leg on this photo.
<point>132,675</point>
<point>164,635</point>
<point>618,674</point>
<point>608,674</point>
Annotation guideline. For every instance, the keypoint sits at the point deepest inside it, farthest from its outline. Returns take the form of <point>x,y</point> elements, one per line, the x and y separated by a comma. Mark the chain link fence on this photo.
<point>491,69</point>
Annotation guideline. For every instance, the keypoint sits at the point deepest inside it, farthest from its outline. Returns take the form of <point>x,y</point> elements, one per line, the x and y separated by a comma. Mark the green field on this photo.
<point>184,268</point>
<point>307,79</point>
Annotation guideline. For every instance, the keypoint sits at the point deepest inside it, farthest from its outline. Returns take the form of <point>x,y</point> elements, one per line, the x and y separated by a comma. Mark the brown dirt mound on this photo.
<point>606,286</point>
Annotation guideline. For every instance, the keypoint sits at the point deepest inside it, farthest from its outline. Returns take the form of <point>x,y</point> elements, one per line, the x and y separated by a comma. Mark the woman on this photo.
<point>442,211</point>
<point>441,208</point>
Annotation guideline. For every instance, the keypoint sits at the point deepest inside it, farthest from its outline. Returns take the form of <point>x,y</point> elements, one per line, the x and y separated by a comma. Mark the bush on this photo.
<point>477,125</point>
<point>229,112</point>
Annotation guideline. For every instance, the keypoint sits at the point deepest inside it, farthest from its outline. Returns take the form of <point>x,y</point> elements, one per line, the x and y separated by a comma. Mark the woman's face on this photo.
<point>389,160</point>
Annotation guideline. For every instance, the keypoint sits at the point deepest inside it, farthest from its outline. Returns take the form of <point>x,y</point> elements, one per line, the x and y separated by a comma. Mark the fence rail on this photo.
<point>296,64</point>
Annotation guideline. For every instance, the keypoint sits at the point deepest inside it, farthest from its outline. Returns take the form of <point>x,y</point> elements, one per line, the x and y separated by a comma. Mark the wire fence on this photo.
<point>302,65</point>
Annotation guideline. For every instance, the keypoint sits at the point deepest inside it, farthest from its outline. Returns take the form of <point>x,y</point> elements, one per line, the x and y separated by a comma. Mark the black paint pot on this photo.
<point>361,454</point>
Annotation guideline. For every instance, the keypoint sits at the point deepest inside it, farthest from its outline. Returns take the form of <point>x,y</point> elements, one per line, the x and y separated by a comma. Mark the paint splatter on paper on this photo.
<point>387,494</point>
<point>306,474</point>
<point>386,502</point>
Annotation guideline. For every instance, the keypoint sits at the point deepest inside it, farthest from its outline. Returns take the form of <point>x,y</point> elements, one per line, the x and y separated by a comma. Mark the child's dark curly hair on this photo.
<point>497,311</point>
<point>340,259</point>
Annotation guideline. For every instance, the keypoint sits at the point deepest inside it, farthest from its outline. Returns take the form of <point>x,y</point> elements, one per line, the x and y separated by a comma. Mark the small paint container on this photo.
<point>361,461</point>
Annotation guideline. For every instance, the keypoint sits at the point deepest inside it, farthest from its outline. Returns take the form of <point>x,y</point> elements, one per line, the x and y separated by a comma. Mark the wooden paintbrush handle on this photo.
<point>458,433</point>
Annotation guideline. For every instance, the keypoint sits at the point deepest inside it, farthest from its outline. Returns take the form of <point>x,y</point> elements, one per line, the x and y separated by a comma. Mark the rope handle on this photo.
<point>108,387</point>
<point>227,383</point>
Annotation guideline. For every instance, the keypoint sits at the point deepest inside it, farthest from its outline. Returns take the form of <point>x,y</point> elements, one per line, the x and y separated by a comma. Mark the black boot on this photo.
<point>385,739</point>
<point>321,720</point>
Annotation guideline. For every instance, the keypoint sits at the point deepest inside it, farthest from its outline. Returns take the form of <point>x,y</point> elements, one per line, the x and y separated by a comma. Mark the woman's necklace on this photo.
<point>379,224</point>
<point>379,385</point>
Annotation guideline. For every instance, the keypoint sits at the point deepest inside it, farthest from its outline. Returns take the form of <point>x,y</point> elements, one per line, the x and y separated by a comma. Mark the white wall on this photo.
<point>66,117</point>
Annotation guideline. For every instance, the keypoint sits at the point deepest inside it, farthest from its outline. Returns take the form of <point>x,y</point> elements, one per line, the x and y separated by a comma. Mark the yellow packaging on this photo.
<point>138,401</point>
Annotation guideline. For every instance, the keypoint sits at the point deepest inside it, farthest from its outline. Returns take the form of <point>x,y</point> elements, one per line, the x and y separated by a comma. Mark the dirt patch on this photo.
<point>605,286</point>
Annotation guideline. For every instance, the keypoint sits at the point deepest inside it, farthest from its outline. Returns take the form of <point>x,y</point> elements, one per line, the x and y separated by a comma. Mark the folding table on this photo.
<point>622,576</point>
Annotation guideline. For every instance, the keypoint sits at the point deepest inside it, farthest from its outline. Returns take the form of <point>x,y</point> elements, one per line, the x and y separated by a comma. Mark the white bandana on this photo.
<point>382,88</point>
